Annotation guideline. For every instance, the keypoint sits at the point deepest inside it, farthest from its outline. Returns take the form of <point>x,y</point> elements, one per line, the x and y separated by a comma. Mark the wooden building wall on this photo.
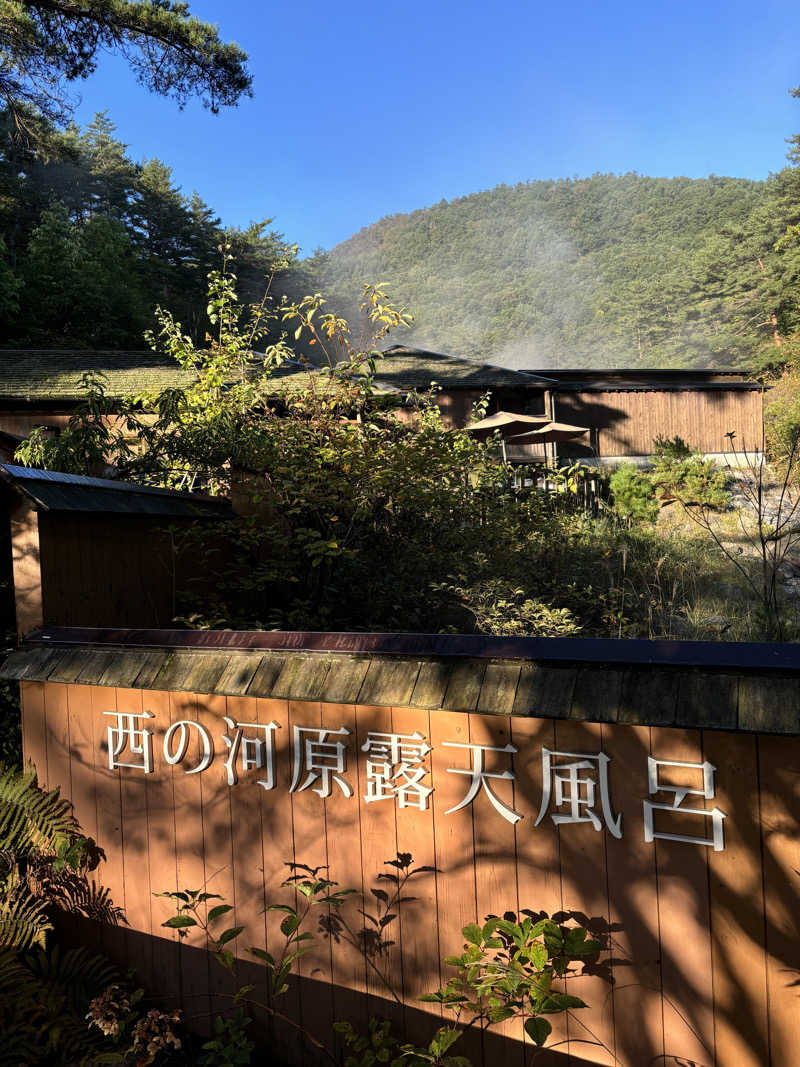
<point>705,959</point>
<point>95,569</point>
<point>104,569</point>
<point>626,423</point>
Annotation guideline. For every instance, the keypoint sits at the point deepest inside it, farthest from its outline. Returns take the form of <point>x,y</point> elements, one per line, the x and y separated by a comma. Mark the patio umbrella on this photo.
<point>507,422</point>
<point>549,433</point>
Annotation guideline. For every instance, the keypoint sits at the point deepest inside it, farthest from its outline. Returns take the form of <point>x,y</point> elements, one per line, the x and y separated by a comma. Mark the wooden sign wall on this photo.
<point>682,844</point>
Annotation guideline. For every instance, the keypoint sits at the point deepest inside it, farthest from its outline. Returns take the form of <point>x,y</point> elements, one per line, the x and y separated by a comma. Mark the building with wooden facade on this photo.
<point>625,410</point>
<point>92,551</point>
<point>716,411</point>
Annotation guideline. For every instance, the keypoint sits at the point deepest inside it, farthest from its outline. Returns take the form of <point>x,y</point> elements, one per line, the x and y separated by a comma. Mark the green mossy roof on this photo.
<point>414,368</point>
<point>55,374</point>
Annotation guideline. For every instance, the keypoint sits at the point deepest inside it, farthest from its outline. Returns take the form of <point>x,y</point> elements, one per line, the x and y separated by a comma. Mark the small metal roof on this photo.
<point>54,491</point>
<point>640,372</point>
<point>614,385</point>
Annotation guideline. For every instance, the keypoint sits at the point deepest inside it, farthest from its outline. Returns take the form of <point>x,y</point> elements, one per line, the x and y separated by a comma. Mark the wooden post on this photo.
<point>550,411</point>
<point>26,566</point>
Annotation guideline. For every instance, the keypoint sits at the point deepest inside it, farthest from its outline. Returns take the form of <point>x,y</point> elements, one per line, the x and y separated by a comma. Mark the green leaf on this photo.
<point>177,922</point>
<point>499,1015</point>
<point>539,955</point>
<point>220,909</point>
<point>564,1001</point>
<point>229,935</point>
<point>290,924</point>
<point>443,1040</point>
<point>473,933</point>
<point>538,1030</point>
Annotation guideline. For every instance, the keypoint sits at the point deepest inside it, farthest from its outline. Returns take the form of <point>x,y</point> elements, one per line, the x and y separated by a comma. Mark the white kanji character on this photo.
<point>258,752</point>
<point>125,734</point>
<point>206,741</point>
<point>576,791</point>
<point>480,778</point>
<point>680,793</point>
<point>405,752</point>
<point>319,759</point>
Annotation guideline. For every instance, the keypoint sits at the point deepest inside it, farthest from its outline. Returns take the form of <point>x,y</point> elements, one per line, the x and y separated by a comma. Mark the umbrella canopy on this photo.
<point>548,433</point>
<point>507,422</point>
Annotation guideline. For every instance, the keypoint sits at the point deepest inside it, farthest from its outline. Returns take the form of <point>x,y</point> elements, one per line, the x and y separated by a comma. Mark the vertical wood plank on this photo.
<point>633,914</point>
<point>163,853</point>
<point>585,898</point>
<point>26,566</point>
<point>190,855</point>
<point>684,918</point>
<point>378,844</point>
<point>247,852</point>
<point>737,905</point>
<point>419,936</point>
<point>34,735</point>
<point>84,791</point>
<point>779,778</point>
<point>247,839</point>
<point>538,849</point>
<point>343,831</point>
<point>217,844</point>
<point>495,848</point>
<point>57,720</point>
<point>277,849</point>
<point>455,858</point>
<point>310,847</point>
<point>109,816</point>
<point>136,853</point>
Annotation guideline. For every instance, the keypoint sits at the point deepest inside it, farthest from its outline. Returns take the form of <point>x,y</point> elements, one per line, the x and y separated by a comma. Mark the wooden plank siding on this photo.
<point>704,951</point>
<point>625,423</point>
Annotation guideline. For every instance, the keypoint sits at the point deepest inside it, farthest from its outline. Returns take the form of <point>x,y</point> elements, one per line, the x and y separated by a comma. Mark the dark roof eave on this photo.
<point>725,655</point>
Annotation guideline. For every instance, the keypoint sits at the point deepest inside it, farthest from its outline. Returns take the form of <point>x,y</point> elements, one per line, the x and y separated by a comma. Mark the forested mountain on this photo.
<point>604,271</point>
<point>608,270</point>
<point>91,241</point>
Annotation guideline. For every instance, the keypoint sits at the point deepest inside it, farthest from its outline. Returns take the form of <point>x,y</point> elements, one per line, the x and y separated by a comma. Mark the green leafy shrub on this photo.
<point>511,966</point>
<point>684,474</point>
<point>379,1045</point>
<point>514,967</point>
<point>633,494</point>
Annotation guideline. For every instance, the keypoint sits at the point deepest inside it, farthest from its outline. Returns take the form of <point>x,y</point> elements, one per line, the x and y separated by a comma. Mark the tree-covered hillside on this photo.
<point>604,271</point>
<point>92,240</point>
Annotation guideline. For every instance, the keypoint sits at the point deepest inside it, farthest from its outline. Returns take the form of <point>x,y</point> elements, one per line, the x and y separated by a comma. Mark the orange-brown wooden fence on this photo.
<point>704,960</point>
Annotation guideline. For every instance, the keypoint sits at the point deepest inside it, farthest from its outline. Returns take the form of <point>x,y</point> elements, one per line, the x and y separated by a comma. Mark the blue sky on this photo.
<point>362,111</point>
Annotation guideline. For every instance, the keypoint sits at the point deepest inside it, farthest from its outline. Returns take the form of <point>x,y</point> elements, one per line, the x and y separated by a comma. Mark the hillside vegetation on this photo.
<point>605,271</point>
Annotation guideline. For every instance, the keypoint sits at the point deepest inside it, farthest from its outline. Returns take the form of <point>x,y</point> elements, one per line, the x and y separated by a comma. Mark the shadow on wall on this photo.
<point>701,942</point>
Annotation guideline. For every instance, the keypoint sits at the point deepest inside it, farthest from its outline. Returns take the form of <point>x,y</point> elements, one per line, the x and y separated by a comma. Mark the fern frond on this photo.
<point>29,816</point>
<point>20,1012</point>
<point>81,974</point>
<point>23,923</point>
